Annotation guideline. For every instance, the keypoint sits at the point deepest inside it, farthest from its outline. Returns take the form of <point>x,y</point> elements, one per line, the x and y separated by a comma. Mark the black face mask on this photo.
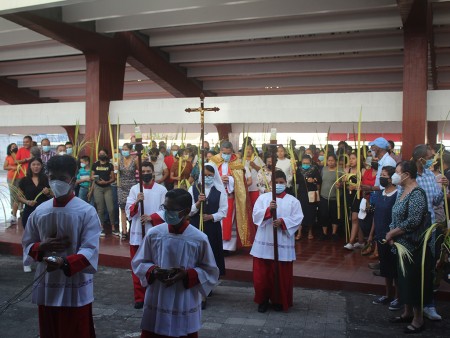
<point>147,177</point>
<point>153,158</point>
<point>269,166</point>
<point>103,158</point>
<point>14,150</point>
<point>374,165</point>
<point>384,182</point>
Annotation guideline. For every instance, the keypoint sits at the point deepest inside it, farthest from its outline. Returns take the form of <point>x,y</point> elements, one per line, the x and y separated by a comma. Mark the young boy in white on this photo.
<point>176,265</point>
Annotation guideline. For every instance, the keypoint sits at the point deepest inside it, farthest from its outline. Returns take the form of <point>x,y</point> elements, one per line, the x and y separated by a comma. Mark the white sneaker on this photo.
<point>13,220</point>
<point>349,246</point>
<point>358,245</point>
<point>26,268</point>
<point>431,314</point>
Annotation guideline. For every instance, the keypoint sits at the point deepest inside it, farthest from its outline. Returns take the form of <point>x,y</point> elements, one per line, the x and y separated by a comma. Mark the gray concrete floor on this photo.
<point>230,312</point>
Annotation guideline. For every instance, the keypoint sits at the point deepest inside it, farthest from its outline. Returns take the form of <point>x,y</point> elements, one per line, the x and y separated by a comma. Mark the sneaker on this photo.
<point>116,233</point>
<point>13,220</point>
<point>383,300</point>
<point>430,313</point>
<point>358,245</point>
<point>349,246</point>
<point>103,234</point>
<point>334,237</point>
<point>124,236</point>
<point>395,305</point>
<point>26,268</point>
<point>323,237</point>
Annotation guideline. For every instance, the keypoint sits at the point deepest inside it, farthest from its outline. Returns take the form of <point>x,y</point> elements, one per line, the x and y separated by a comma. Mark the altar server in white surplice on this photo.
<point>153,197</point>
<point>289,217</point>
<point>67,229</point>
<point>176,265</point>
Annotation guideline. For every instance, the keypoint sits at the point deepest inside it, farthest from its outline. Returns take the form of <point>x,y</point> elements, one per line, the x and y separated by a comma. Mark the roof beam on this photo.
<point>75,37</point>
<point>153,65</point>
<point>10,93</point>
<point>142,57</point>
<point>239,10</point>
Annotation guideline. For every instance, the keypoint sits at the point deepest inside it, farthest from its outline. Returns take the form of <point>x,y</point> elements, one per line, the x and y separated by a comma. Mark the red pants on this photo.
<point>139,291</point>
<point>263,277</point>
<point>227,222</point>
<point>148,334</point>
<point>66,322</point>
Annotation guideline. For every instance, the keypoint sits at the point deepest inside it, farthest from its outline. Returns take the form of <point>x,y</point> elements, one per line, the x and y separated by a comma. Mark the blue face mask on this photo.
<point>125,153</point>
<point>209,180</point>
<point>172,217</point>
<point>46,149</point>
<point>321,158</point>
<point>226,157</point>
<point>69,151</point>
<point>174,153</point>
<point>279,188</point>
<point>306,166</point>
<point>428,164</point>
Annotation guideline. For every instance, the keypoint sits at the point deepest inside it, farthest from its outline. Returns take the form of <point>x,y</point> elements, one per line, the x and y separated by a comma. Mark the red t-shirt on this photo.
<point>22,154</point>
<point>169,161</point>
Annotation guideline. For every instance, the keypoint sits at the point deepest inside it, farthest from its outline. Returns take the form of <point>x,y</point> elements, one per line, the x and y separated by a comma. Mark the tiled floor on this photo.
<point>320,264</point>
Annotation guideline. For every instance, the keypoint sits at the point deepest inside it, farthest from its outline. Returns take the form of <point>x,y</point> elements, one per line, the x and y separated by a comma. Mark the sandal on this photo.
<point>411,329</point>
<point>401,319</point>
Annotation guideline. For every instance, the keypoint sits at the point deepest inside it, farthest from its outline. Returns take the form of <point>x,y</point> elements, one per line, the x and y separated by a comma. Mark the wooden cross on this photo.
<point>202,111</point>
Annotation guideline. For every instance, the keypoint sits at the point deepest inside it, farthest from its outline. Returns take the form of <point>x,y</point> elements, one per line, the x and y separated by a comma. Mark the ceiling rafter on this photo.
<point>144,58</point>
<point>10,93</point>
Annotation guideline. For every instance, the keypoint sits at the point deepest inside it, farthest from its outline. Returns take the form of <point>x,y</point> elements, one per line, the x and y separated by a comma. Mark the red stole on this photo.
<point>227,222</point>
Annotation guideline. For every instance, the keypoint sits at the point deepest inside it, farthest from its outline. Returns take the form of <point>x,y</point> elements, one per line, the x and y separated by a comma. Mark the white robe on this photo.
<point>79,221</point>
<point>174,311</point>
<point>289,209</point>
<point>153,199</point>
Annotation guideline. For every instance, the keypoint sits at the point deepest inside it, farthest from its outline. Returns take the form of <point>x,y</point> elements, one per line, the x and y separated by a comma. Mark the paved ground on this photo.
<point>230,313</point>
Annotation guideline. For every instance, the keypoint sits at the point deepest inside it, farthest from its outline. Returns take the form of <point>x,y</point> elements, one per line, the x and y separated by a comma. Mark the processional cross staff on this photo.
<point>202,111</point>
<point>139,146</point>
<point>273,146</point>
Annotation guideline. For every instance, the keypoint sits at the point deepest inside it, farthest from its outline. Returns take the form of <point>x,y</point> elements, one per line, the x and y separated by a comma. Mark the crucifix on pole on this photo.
<point>202,111</point>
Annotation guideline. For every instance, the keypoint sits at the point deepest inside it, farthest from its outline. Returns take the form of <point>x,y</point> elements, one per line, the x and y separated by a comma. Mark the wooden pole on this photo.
<point>139,146</point>
<point>273,145</point>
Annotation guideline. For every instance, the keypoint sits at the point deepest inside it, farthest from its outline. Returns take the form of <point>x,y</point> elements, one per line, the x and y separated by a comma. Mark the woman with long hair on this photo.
<point>11,166</point>
<point>127,169</point>
<point>102,174</point>
<point>353,201</point>
<point>35,190</point>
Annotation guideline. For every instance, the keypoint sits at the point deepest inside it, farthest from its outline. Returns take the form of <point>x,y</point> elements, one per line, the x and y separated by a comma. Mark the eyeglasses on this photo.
<point>164,207</point>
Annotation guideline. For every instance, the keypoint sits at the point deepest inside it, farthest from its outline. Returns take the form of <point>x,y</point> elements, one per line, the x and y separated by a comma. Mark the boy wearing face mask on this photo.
<point>290,215</point>
<point>153,197</point>
<point>176,265</point>
<point>84,178</point>
<point>68,230</point>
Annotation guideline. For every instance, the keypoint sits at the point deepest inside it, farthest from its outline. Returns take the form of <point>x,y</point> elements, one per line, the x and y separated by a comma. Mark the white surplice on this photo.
<point>153,199</point>
<point>79,222</point>
<point>289,209</point>
<point>175,311</point>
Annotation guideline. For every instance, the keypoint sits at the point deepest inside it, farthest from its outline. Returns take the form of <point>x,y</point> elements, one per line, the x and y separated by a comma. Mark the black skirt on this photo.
<point>410,283</point>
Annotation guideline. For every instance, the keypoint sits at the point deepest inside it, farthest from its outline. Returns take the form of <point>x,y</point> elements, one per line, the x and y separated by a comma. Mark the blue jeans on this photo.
<point>82,193</point>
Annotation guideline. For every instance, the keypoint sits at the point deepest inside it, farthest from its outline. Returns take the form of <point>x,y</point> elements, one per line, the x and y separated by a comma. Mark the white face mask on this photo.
<point>59,188</point>
<point>396,179</point>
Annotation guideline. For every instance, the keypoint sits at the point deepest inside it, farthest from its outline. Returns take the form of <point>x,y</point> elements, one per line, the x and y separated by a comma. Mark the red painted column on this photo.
<point>104,83</point>
<point>223,129</point>
<point>432,132</point>
<point>415,78</point>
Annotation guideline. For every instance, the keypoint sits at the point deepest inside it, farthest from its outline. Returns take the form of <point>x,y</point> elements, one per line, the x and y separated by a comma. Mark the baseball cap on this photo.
<point>380,142</point>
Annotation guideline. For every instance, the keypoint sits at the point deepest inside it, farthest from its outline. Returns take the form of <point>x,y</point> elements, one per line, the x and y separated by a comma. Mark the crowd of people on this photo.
<point>367,196</point>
